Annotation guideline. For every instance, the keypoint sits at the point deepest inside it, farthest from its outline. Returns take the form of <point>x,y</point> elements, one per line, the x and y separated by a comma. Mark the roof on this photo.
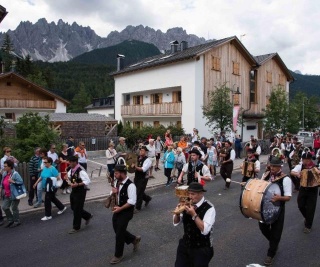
<point>261,59</point>
<point>47,92</point>
<point>76,117</point>
<point>3,13</point>
<point>187,54</point>
<point>91,106</point>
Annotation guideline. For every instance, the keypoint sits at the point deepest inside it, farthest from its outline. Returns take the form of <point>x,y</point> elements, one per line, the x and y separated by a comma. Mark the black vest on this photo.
<point>138,174</point>
<point>254,161</point>
<point>191,172</point>
<point>75,178</point>
<point>192,235</point>
<point>123,194</point>
<point>280,183</point>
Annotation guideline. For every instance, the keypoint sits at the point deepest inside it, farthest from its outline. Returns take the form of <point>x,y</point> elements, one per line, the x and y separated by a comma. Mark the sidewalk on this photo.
<point>100,188</point>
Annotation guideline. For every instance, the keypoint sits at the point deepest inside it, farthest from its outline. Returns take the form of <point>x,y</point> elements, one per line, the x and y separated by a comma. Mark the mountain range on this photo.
<point>61,42</point>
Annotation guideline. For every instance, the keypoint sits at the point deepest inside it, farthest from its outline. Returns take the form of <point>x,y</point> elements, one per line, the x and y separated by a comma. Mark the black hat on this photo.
<point>144,147</point>
<point>195,151</point>
<point>275,161</point>
<point>196,143</point>
<point>196,187</point>
<point>73,159</point>
<point>250,150</point>
<point>120,168</point>
<point>307,155</point>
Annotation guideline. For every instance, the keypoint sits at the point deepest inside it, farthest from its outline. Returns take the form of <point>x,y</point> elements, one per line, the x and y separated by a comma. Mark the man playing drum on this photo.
<point>196,246</point>
<point>309,176</point>
<point>195,169</point>
<point>273,231</point>
<point>250,166</point>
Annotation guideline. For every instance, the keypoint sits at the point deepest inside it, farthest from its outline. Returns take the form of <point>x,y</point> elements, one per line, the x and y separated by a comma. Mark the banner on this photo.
<point>236,109</point>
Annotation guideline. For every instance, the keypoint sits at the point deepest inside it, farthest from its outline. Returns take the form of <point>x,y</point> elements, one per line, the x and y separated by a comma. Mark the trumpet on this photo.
<point>182,206</point>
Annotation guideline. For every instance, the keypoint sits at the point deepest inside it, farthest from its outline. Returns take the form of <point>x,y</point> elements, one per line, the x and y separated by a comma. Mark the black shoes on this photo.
<point>147,202</point>
<point>88,221</point>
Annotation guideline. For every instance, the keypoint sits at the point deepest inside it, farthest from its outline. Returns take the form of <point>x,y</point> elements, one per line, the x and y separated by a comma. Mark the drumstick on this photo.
<point>228,180</point>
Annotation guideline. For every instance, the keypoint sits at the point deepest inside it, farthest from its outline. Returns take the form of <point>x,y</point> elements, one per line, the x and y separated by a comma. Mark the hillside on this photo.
<point>309,84</point>
<point>132,49</point>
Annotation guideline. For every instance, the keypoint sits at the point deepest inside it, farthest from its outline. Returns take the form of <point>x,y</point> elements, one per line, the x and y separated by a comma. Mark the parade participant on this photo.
<point>123,212</point>
<point>79,181</point>
<point>289,147</point>
<point>152,156</point>
<point>63,167</point>
<point>295,159</point>
<point>228,156</point>
<point>34,172</point>
<point>203,146</point>
<point>273,231</point>
<point>195,169</point>
<point>196,145</point>
<point>9,194</point>
<point>168,163</point>
<point>70,143</point>
<point>159,147</point>
<point>140,179</point>
<point>212,159</point>
<point>111,160</point>
<point>250,166</point>
<point>81,153</point>
<point>309,176</point>
<point>196,246</point>
<point>256,148</point>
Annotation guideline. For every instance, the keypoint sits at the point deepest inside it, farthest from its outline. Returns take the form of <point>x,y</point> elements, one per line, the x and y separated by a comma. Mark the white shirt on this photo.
<point>110,154</point>
<point>287,186</point>
<point>83,175</point>
<point>82,159</point>
<point>152,151</point>
<point>233,154</point>
<point>146,165</point>
<point>205,170</point>
<point>132,191</point>
<point>208,219</point>
<point>53,155</point>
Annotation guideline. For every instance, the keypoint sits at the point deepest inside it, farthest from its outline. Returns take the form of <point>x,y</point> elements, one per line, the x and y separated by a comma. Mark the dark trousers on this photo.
<point>84,165</point>
<point>141,184</point>
<point>273,233</point>
<point>77,198</point>
<point>120,223</point>
<point>167,173</point>
<point>32,191</point>
<point>111,169</point>
<point>238,152</point>
<point>307,202</point>
<point>296,182</point>
<point>193,257</point>
<point>51,197</point>
<point>226,171</point>
<point>64,184</point>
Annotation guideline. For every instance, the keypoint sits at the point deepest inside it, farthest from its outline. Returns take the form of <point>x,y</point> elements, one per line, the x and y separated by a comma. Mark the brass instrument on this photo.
<point>182,193</point>
<point>131,158</point>
<point>111,200</point>
<point>248,169</point>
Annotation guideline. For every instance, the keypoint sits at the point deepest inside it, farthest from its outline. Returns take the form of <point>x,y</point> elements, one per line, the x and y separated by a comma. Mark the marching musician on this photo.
<point>255,146</point>
<point>140,178</point>
<point>195,169</point>
<point>79,180</point>
<point>196,246</point>
<point>308,174</point>
<point>295,159</point>
<point>250,166</point>
<point>123,212</point>
<point>226,168</point>
<point>273,231</point>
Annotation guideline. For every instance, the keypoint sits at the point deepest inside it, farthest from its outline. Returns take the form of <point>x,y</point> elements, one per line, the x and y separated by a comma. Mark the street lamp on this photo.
<point>303,112</point>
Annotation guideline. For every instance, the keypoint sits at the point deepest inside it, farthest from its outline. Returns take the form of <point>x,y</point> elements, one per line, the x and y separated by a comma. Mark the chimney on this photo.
<point>183,45</point>
<point>120,62</point>
<point>174,46</point>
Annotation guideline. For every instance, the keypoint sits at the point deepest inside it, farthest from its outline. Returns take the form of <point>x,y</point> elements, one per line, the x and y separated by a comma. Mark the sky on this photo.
<point>289,27</point>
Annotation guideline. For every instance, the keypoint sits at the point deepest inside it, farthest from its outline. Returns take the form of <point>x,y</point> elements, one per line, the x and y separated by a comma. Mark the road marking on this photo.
<point>97,163</point>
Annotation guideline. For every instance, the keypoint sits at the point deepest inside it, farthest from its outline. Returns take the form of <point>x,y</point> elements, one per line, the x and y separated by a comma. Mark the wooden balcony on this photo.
<point>163,109</point>
<point>32,104</point>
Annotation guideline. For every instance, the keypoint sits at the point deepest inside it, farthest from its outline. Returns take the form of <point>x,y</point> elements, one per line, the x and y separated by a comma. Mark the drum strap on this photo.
<point>280,177</point>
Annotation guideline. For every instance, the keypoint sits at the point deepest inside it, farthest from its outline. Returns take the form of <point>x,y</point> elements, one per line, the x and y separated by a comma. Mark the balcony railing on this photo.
<point>37,104</point>
<point>169,109</point>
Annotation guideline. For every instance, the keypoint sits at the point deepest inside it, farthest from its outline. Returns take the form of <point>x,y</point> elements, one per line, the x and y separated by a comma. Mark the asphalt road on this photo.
<point>237,240</point>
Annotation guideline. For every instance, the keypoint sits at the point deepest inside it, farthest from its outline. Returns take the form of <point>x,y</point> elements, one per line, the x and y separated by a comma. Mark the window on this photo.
<point>156,124</point>
<point>236,68</point>
<point>253,88</point>
<point>269,77</point>
<point>137,100</point>
<point>137,124</point>
<point>127,99</point>
<point>156,98</point>
<point>216,65</point>
<point>176,97</point>
<point>10,116</point>
<point>282,79</point>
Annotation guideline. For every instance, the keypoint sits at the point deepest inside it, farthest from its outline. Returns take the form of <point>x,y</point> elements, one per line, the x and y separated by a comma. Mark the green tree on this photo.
<point>38,78</point>
<point>218,111</point>
<point>277,111</point>
<point>80,100</point>
<point>7,48</point>
<point>33,131</point>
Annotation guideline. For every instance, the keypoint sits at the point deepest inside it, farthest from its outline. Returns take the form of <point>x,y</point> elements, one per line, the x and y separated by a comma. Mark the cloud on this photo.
<point>288,27</point>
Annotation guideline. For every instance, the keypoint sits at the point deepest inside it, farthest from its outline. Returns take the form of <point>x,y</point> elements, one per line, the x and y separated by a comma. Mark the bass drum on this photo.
<point>255,201</point>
